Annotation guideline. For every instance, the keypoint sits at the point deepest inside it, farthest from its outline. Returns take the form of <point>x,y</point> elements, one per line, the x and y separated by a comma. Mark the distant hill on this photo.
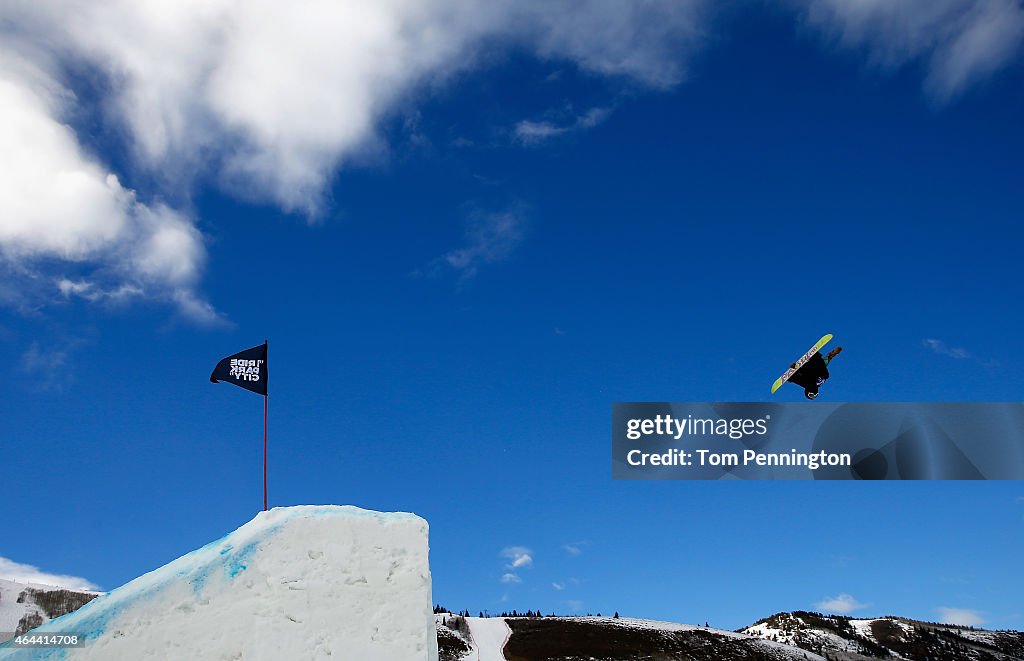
<point>845,638</point>
<point>598,639</point>
<point>25,606</point>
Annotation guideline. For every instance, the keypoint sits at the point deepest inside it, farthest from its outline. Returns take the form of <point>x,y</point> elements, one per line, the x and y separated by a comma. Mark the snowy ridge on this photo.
<point>18,603</point>
<point>597,638</point>
<point>863,629</point>
<point>804,637</point>
<point>656,625</point>
<point>781,637</point>
<point>307,582</point>
<point>842,637</point>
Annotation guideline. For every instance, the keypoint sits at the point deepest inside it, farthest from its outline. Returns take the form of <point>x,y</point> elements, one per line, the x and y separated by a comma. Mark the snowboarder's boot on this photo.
<point>832,354</point>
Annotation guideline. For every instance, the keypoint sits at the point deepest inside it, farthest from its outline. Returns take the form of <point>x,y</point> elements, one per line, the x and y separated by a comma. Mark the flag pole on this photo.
<point>266,399</point>
<point>266,405</point>
<point>248,369</point>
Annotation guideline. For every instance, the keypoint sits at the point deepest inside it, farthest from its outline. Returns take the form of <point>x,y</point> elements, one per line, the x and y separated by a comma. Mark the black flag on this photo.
<point>247,369</point>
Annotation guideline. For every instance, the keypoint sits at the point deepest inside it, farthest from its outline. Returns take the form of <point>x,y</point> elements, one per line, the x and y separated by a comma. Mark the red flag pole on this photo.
<point>266,399</point>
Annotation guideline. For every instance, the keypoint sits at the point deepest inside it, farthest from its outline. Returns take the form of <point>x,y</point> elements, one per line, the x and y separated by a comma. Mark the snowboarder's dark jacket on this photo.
<point>808,374</point>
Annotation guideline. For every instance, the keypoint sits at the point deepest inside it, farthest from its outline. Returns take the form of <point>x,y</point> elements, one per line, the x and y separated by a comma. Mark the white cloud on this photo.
<point>575,605</point>
<point>36,359</point>
<point>490,237</point>
<point>90,291</point>
<point>170,250</point>
<point>197,309</point>
<point>961,616</point>
<point>958,42</point>
<point>54,200</point>
<point>564,584</point>
<point>58,203</point>
<point>511,578</point>
<point>574,549</point>
<point>48,367</point>
<point>518,556</point>
<point>533,133</point>
<point>841,604</point>
<point>269,99</point>
<point>279,95</point>
<point>940,347</point>
<point>15,571</point>
<point>646,41</point>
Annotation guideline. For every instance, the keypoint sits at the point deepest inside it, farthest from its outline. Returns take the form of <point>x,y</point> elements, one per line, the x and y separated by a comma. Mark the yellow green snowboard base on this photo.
<point>800,363</point>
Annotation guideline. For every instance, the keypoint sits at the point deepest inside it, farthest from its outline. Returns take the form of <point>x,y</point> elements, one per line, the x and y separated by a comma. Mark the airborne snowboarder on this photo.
<point>811,370</point>
<point>813,373</point>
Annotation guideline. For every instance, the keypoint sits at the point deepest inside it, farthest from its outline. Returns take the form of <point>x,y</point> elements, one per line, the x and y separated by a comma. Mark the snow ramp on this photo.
<point>306,582</point>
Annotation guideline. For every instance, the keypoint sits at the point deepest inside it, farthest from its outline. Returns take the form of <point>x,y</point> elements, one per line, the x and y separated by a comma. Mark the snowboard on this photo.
<point>800,363</point>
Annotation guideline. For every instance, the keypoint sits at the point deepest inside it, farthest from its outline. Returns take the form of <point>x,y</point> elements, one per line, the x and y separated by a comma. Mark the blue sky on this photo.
<point>468,230</point>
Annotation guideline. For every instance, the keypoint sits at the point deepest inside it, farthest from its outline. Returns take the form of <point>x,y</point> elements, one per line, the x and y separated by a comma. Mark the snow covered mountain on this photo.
<point>798,635</point>
<point>25,606</point>
<point>598,639</point>
<point>845,638</point>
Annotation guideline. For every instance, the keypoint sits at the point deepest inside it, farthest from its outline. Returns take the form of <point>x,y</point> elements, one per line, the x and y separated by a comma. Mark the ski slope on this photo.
<point>489,637</point>
<point>307,582</point>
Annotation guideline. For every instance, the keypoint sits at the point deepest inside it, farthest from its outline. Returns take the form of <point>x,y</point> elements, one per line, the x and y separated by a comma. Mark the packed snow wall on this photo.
<point>307,582</point>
